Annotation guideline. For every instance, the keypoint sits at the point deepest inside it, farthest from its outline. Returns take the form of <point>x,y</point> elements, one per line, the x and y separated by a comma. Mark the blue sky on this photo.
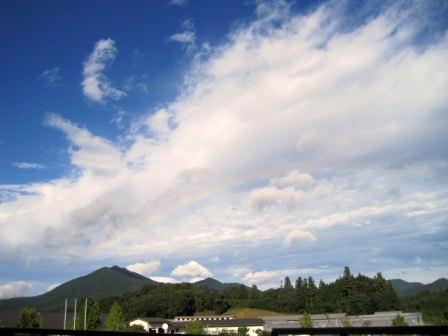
<point>244,140</point>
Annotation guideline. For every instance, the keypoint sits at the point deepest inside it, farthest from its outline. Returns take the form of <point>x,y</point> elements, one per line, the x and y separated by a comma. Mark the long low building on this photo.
<point>341,319</point>
<point>213,325</point>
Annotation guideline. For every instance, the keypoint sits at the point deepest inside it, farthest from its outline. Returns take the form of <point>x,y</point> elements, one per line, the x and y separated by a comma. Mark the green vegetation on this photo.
<point>404,288</point>
<point>135,328</point>
<point>92,318</point>
<point>346,322</point>
<point>306,321</point>
<point>433,305</point>
<point>195,328</point>
<point>351,294</point>
<point>29,318</point>
<point>115,320</point>
<point>399,321</point>
<point>242,331</point>
<point>250,312</point>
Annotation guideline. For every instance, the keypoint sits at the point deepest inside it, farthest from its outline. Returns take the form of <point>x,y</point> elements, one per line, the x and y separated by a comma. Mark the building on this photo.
<point>213,325</point>
<point>157,325</point>
<point>204,318</point>
<point>340,319</point>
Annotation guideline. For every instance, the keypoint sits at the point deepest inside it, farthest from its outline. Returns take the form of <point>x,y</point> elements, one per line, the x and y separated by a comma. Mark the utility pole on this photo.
<point>85,315</point>
<point>74,318</point>
<point>65,314</point>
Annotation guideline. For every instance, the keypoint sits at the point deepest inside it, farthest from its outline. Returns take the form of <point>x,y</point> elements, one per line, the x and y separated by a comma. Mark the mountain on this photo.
<point>404,288</point>
<point>211,283</point>
<point>104,282</point>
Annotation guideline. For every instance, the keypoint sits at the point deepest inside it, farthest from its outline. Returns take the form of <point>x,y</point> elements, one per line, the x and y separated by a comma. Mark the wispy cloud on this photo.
<point>187,37</point>
<point>28,165</point>
<point>95,85</point>
<point>178,2</point>
<point>51,76</point>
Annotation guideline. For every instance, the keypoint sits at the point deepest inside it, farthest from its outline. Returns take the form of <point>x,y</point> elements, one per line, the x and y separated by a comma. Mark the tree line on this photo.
<point>349,294</point>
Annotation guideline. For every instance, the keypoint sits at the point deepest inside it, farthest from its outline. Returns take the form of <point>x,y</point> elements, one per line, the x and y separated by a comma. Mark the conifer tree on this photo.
<point>115,319</point>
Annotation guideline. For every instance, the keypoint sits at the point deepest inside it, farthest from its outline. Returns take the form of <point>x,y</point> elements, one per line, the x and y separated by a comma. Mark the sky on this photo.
<point>240,140</point>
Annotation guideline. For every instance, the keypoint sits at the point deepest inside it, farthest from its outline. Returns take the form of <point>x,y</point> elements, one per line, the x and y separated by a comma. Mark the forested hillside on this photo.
<point>432,304</point>
<point>404,288</point>
<point>350,294</point>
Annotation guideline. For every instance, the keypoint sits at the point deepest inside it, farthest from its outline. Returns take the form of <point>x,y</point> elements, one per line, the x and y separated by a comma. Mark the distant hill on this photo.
<point>404,288</point>
<point>214,284</point>
<point>104,282</point>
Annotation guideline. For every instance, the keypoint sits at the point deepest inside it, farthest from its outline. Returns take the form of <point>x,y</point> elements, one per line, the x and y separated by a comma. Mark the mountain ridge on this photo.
<point>115,281</point>
<point>103,282</point>
<point>405,288</point>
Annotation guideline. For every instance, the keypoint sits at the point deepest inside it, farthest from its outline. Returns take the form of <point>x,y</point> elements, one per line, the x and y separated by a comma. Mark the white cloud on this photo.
<point>260,277</point>
<point>28,165</point>
<point>51,76</point>
<point>52,286</point>
<point>14,289</point>
<point>294,178</point>
<point>164,279</point>
<point>299,235</point>
<point>192,270</point>
<point>95,85</point>
<point>146,269</point>
<point>290,119</point>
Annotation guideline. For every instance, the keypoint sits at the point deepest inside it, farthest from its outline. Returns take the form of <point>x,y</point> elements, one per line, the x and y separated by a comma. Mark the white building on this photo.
<point>154,324</point>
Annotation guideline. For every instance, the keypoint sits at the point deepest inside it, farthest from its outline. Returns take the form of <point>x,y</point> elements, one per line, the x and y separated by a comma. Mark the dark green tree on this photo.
<point>92,318</point>
<point>115,320</point>
<point>29,318</point>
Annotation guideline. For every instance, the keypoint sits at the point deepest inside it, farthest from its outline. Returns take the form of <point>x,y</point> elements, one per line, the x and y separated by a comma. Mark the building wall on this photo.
<point>142,323</point>
<point>218,330</point>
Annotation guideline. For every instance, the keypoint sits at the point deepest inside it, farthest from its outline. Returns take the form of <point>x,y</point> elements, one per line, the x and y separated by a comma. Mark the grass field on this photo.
<point>251,312</point>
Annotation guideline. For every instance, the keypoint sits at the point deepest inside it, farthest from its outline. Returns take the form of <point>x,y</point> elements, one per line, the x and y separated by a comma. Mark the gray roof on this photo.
<point>237,322</point>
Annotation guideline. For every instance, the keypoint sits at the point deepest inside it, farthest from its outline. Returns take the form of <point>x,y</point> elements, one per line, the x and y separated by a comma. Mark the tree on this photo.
<point>29,318</point>
<point>287,285</point>
<point>195,328</point>
<point>399,321</point>
<point>115,319</point>
<point>135,328</point>
<point>242,331</point>
<point>93,316</point>
<point>347,273</point>
<point>261,332</point>
<point>306,321</point>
